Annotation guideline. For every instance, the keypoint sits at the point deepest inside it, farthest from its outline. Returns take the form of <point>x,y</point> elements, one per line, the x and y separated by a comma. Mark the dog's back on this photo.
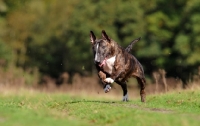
<point>130,66</point>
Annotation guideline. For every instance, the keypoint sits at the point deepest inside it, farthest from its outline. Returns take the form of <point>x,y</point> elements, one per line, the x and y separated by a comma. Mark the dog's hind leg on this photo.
<point>125,91</point>
<point>141,82</point>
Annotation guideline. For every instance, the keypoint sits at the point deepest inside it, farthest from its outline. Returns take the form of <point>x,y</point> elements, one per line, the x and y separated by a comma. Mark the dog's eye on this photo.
<point>103,47</point>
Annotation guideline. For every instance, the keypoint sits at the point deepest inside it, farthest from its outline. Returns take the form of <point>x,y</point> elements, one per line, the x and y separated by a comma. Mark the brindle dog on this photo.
<point>116,64</point>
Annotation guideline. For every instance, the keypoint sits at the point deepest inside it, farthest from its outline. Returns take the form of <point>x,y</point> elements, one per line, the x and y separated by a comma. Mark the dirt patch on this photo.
<point>2,119</point>
<point>160,110</point>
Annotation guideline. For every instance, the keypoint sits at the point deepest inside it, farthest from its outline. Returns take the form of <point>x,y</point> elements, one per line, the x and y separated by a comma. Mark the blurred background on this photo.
<point>45,43</point>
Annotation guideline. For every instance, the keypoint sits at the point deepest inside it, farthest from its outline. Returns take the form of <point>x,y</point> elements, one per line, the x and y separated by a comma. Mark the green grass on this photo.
<point>36,108</point>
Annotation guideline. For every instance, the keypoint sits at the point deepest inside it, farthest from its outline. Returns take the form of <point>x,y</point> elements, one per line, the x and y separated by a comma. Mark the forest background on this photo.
<point>50,38</point>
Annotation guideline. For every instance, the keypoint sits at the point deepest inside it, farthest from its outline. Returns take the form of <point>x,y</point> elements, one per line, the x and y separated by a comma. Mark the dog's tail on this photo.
<point>129,47</point>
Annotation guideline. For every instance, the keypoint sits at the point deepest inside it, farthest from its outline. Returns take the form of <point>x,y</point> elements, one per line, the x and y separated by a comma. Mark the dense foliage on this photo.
<point>54,35</point>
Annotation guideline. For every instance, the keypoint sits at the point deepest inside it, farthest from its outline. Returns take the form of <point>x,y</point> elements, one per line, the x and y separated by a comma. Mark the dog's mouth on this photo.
<point>103,62</point>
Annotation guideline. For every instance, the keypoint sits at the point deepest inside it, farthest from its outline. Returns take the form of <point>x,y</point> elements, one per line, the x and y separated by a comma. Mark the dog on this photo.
<point>116,64</point>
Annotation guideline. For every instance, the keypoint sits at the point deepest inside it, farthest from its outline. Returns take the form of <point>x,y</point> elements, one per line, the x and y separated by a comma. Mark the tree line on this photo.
<point>54,35</point>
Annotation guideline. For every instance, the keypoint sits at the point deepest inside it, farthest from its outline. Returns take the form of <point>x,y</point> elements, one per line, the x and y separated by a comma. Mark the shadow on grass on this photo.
<point>92,101</point>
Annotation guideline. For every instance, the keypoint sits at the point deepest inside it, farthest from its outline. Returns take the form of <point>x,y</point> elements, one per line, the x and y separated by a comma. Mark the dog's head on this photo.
<point>102,48</point>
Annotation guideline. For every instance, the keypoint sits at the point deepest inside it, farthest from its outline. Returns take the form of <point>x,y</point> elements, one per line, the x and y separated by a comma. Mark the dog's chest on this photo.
<point>108,67</point>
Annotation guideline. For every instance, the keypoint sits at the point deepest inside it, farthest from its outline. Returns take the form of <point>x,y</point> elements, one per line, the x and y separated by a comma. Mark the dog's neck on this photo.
<point>115,48</point>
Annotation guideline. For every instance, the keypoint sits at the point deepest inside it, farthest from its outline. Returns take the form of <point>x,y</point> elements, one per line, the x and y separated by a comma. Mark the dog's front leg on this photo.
<point>106,86</point>
<point>124,88</point>
<point>113,76</point>
<point>102,77</point>
<point>108,81</point>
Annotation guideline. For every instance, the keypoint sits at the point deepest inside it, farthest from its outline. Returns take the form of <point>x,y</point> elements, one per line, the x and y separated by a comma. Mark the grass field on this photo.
<point>33,108</point>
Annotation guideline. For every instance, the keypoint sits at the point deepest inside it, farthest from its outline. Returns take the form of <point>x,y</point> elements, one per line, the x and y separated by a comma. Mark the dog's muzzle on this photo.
<point>97,57</point>
<point>102,63</point>
<point>99,60</point>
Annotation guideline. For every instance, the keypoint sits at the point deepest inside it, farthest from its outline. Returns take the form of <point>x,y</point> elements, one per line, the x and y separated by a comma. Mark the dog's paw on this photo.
<point>125,97</point>
<point>109,80</point>
<point>107,88</point>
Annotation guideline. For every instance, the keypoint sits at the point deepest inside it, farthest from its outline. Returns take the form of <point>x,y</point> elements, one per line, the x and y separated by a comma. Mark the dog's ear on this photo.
<point>105,36</point>
<point>92,37</point>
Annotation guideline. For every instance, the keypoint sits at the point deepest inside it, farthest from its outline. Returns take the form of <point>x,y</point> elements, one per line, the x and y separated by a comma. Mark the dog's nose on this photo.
<point>96,62</point>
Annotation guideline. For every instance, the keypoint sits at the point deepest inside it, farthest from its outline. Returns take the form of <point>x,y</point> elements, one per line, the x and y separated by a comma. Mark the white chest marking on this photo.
<point>108,67</point>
